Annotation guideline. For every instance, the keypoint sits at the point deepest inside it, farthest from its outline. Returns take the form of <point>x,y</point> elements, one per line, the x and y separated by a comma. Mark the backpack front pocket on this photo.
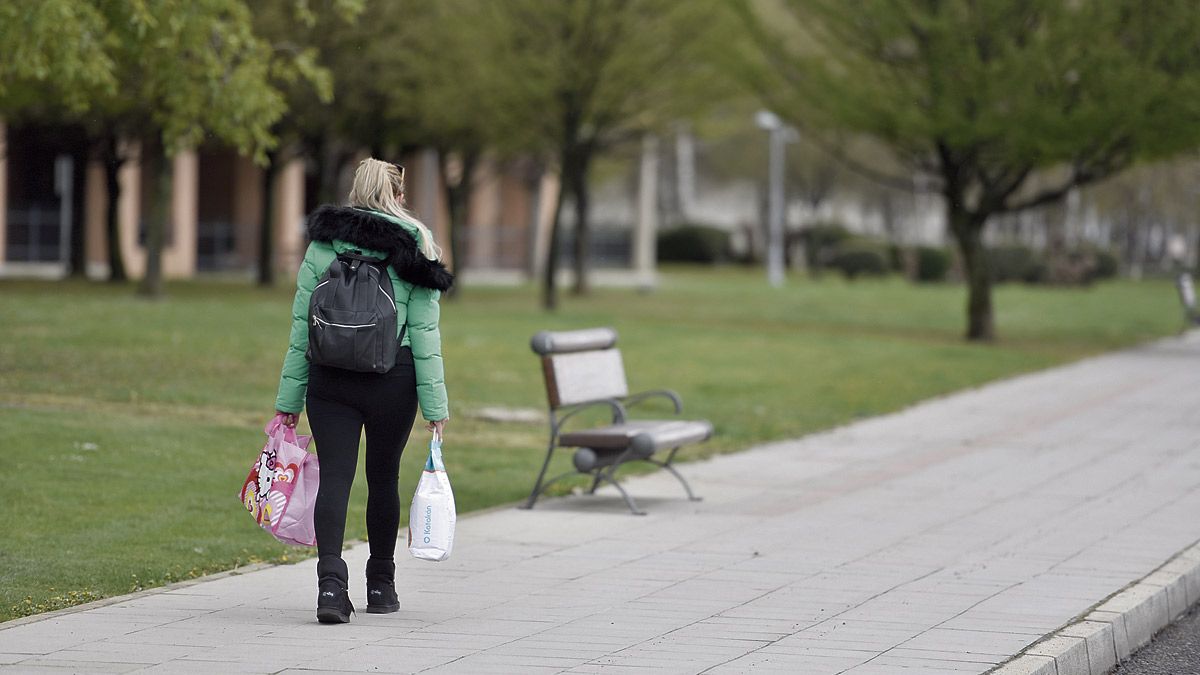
<point>346,339</point>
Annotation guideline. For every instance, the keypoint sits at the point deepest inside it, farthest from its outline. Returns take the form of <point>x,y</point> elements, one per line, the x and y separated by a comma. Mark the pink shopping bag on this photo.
<point>281,490</point>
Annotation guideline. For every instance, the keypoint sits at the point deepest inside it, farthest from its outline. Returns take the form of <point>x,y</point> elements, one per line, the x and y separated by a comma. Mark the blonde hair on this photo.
<point>377,186</point>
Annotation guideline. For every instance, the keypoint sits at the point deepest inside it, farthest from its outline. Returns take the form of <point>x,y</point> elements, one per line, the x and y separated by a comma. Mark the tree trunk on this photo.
<point>332,159</point>
<point>583,235</point>
<point>113,160</point>
<point>968,232</point>
<point>266,239</point>
<point>550,278</point>
<point>458,200</point>
<point>152,282</point>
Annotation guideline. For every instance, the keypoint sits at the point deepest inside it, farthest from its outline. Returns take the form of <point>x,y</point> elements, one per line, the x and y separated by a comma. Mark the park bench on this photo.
<point>583,370</point>
<point>1187,297</point>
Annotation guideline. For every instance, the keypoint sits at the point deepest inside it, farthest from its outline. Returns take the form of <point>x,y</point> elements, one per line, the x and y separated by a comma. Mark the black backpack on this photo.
<point>352,316</point>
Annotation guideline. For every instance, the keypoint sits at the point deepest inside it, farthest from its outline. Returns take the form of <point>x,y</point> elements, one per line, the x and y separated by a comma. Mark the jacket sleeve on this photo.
<point>426,341</point>
<point>293,380</point>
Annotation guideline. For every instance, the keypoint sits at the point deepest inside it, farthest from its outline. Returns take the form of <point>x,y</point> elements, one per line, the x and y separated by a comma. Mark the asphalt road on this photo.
<point>1174,651</point>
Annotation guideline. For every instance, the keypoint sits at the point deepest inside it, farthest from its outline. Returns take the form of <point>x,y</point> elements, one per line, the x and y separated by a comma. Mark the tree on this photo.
<point>443,85</point>
<point>58,46</point>
<point>983,95</point>
<point>189,71</point>
<point>572,78</point>
<point>299,37</point>
<point>194,71</point>
<point>56,61</point>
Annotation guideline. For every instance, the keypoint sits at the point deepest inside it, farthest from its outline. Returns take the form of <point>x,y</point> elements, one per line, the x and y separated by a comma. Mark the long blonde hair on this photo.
<point>377,186</point>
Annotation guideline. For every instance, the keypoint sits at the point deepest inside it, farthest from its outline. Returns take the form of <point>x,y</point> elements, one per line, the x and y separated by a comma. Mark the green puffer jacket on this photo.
<point>416,280</point>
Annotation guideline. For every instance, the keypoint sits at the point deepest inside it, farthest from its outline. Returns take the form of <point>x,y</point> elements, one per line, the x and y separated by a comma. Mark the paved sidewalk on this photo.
<point>942,539</point>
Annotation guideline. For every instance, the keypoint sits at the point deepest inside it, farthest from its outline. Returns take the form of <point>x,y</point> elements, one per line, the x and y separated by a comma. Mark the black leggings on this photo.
<point>340,402</point>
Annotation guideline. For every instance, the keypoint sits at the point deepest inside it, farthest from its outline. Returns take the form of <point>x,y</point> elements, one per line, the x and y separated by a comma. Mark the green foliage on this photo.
<point>194,70</point>
<point>90,401</point>
<point>932,263</point>
<point>191,71</point>
<point>586,70</point>
<point>860,257</point>
<point>57,49</point>
<point>693,243</point>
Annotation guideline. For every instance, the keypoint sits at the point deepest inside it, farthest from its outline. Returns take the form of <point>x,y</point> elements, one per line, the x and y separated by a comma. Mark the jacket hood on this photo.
<point>376,232</point>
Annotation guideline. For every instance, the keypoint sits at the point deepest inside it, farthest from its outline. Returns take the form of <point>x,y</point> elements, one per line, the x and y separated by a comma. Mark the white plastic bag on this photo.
<point>431,518</point>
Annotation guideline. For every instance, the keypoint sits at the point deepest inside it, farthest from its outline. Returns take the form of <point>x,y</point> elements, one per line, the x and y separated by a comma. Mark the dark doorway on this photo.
<point>45,195</point>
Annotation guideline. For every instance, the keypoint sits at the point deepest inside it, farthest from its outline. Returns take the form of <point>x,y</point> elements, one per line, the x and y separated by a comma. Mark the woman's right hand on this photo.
<point>286,419</point>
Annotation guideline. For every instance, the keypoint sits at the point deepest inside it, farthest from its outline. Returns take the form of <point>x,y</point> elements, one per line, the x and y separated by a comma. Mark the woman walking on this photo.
<point>375,230</point>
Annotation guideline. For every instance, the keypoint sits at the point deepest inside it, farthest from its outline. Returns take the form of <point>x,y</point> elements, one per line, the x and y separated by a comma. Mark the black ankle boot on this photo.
<point>333,603</point>
<point>381,587</point>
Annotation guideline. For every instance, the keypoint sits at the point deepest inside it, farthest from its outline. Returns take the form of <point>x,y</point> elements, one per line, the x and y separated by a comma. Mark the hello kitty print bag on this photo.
<point>281,490</point>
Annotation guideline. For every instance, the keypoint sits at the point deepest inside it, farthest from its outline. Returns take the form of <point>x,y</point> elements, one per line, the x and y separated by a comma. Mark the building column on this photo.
<point>247,210</point>
<point>288,228</point>
<point>430,200</point>
<point>646,229</point>
<point>3,192</point>
<point>179,259</point>
<point>95,203</point>
<point>483,215</point>
<point>547,199</point>
<point>129,209</point>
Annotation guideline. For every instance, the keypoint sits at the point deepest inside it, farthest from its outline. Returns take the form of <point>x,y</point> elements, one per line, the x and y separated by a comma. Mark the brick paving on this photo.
<point>941,539</point>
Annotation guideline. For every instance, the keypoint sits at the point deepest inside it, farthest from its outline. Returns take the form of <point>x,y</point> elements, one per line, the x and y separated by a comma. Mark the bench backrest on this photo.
<point>581,365</point>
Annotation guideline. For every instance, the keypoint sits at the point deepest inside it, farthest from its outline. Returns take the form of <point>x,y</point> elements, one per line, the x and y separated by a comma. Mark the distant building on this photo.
<point>53,192</point>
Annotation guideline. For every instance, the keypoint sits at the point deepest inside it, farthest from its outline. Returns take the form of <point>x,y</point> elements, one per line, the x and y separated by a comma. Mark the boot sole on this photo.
<point>333,616</point>
<point>383,609</point>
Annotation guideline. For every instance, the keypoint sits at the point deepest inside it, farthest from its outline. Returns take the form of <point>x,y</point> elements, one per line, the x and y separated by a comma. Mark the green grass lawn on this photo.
<point>127,426</point>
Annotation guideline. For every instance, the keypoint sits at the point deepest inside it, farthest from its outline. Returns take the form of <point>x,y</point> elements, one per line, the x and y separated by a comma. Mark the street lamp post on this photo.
<point>779,134</point>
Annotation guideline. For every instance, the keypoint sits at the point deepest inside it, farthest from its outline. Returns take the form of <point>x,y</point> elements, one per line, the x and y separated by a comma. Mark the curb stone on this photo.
<point>1118,626</point>
<point>166,588</point>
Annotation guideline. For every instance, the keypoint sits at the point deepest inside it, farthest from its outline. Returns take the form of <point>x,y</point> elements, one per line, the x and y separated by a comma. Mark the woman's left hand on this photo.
<point>438,427</point>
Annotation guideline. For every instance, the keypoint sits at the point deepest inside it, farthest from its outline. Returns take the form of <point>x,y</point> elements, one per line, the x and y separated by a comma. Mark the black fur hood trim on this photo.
<point>372,231</point>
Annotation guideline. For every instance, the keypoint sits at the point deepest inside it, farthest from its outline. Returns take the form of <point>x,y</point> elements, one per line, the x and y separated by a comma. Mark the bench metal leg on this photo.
<point>595,483</point>
<point>667,465</point>
<point>633,507</point>
<point>539,486</point>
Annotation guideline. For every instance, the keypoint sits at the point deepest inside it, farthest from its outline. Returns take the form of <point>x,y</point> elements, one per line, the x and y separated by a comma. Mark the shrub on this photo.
<point>1107,265</point>
<point>860,257</point>
<point>821,242</point>
<point>694,243</point>
<point>897,258</point>
<point>932,263</point>
<point>1012,263</point>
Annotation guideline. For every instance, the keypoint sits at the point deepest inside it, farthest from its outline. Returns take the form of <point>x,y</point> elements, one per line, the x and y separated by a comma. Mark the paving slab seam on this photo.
<point>240,570</point>
<point>1110,631</point>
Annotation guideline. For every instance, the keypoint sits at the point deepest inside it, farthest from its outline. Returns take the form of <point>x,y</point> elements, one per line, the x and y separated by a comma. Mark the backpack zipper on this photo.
<point>318,320</point>
<point>388,298</point>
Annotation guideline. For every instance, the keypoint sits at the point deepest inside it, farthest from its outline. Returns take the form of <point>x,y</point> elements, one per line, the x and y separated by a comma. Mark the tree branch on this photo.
<point>1116,158</point>
<point>883,178</point>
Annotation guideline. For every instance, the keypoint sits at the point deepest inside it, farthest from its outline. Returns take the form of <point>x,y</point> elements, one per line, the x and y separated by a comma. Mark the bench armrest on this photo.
<point>634,399</point>
<point>619,413</point>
